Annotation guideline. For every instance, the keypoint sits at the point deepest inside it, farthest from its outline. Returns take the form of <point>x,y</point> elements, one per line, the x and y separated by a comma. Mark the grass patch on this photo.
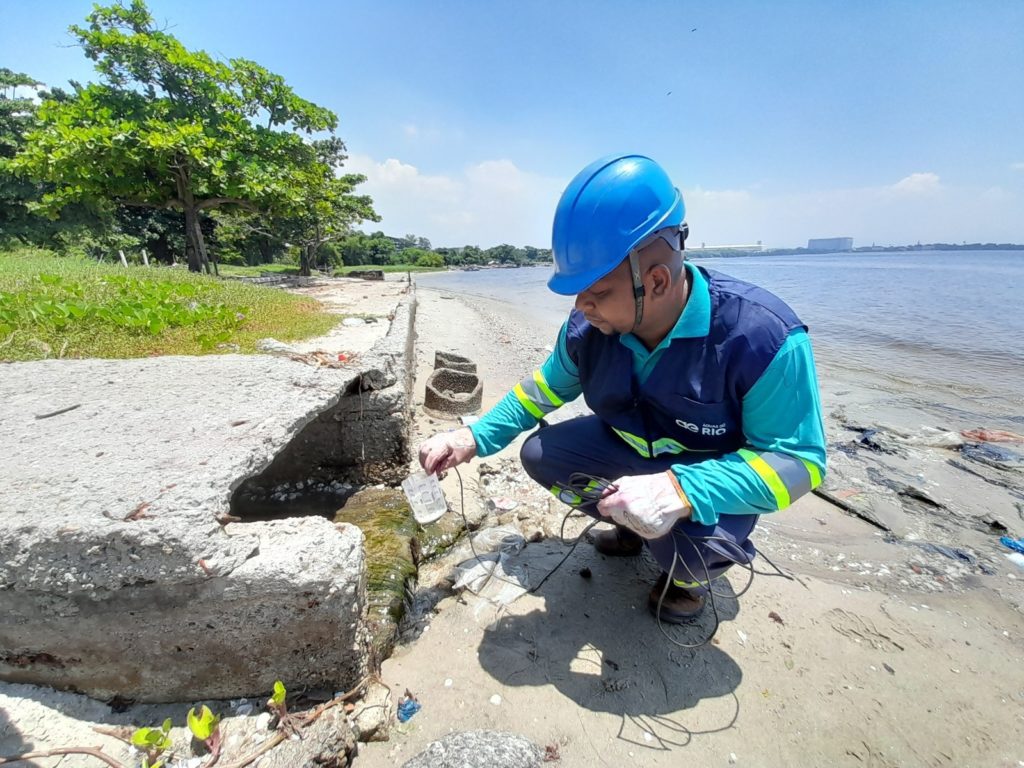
<point>65,307</point>
<point>262,270</point>
<point>236,270</point>
<point>387,268</point>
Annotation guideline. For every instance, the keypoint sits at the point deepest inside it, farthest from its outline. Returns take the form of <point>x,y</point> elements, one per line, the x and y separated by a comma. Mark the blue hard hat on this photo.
<point>606,211</point>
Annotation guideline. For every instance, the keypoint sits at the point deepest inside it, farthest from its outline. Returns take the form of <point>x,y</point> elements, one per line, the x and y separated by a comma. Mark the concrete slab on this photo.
<point>117,573</point>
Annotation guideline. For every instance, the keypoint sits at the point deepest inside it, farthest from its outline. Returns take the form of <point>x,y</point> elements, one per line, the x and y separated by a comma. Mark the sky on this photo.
<point>889,122</point>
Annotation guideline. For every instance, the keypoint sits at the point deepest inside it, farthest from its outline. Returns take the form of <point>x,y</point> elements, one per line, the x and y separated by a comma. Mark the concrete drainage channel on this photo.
<point>190,552</point>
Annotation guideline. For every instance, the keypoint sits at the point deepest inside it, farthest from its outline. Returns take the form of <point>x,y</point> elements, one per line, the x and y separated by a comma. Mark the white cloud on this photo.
<point>916,208</point>
<point>1017,166</point>
<point>917,183</point>
<point>484,204</point>
<point>495,201</point>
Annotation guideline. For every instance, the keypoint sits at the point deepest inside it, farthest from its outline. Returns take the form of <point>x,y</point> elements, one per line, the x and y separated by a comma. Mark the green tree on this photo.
<point>504,254</point>
<point>359,248</point>
<point>170,128</point>
<point>17,114</point>
<point>471,254</point>
<point>429,259</point>
<point>242,237</point>
<point>327,207</point>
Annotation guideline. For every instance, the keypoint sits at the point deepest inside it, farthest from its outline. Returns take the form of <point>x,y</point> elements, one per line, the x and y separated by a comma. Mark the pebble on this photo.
<point>732,758</point>
<point>448,682</point>
<point>496,700</point>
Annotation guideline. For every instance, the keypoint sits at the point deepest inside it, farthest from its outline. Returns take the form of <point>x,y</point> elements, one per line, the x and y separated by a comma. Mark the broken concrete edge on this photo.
<point>362,436</point>
<point>195,611</point>
<point>443,359</point>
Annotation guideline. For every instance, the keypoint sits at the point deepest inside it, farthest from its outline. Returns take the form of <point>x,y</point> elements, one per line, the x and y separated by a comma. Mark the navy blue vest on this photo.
<point>692,400</point>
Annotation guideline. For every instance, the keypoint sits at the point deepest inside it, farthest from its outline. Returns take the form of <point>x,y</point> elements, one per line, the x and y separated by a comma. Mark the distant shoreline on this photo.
<point>730,252</point>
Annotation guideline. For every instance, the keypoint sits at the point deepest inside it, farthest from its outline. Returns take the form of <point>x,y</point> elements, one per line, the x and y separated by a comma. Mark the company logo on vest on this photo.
<point>704,429</point>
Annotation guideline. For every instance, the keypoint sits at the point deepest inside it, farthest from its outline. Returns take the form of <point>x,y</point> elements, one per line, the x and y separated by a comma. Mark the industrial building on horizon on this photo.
<point>832,244</point>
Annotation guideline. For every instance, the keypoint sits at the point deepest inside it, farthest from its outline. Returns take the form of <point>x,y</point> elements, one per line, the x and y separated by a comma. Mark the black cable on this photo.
<point>590,489</point>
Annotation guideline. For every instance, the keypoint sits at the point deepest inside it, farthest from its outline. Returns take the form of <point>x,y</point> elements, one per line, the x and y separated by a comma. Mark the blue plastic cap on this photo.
<point>608,209</point>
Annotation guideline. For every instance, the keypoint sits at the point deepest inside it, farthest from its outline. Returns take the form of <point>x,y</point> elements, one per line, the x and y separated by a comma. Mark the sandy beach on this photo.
<point>884,648</point>
<point>894,638</point>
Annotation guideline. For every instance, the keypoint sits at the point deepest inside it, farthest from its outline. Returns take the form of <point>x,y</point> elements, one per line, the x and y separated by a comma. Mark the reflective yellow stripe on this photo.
<point>814,472</point>
<point>638,444</point>
<point>770,476</point>
<point>565,495</point>
<point>668,445</point>
<point>687,584</point>
<point>543,385</point>
<point>527,402</point>
<point>572,498</point>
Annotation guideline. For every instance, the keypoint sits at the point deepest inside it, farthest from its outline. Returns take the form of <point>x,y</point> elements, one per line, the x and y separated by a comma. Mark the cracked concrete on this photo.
<point>117,572</point>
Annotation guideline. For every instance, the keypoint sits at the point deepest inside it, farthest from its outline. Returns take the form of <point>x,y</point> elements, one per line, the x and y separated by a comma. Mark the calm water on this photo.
<point>947,324</point>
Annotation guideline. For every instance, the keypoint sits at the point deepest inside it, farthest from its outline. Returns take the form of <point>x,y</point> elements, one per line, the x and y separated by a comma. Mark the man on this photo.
<point>703,389</point>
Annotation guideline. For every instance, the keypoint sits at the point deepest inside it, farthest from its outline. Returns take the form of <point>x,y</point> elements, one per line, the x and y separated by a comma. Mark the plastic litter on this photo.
<point>425,497</point>
<point>275,347</point>
<point>504,538</point>
<point>1017,545</point>
<point>993,435</point>
<point>1017,559</point>
<point>491,575</point>
<point>407,707</point>
<point>993,455</point>
<point>504,503</point>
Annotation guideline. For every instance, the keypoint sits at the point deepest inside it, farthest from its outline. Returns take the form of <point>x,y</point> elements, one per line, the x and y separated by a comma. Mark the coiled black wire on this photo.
<point>590,489</point>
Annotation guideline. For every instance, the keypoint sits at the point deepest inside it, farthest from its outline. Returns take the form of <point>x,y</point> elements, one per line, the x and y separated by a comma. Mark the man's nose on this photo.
<point>582,300</point>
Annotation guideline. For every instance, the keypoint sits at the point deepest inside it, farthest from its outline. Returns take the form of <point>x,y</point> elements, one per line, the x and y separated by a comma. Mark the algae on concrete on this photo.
<point>384,516</point>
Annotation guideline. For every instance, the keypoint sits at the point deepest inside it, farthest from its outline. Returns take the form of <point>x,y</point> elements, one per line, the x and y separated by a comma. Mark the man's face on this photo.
<point>608,304</point>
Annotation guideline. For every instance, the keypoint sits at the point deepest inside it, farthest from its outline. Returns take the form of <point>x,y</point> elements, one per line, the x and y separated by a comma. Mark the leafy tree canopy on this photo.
<point>172,128</point>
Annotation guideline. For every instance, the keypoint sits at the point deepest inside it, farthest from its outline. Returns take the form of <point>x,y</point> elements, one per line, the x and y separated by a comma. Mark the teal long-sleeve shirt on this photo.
<point>785,452</point>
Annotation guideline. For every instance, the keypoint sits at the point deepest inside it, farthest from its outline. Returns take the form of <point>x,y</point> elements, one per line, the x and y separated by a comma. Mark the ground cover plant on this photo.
<point>236,270</point>
<point>66,307</point>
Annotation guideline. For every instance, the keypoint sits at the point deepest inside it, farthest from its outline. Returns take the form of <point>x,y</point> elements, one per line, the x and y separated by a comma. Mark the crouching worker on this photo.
<point>703,390</point>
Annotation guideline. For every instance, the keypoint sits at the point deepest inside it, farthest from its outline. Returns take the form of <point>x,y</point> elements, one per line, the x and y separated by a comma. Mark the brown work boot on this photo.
<point>618,542</point>
<point>680,604</point>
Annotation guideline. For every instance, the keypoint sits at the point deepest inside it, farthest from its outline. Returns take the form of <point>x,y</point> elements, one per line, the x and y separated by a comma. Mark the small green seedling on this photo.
<point>276,701</point>
<point>153,742</point>
<point>205,726</point>
<point>276,704</point>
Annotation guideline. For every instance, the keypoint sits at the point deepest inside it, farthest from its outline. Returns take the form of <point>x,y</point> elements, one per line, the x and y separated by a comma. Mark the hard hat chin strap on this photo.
<point>676,239</point>
<point>638,287</point>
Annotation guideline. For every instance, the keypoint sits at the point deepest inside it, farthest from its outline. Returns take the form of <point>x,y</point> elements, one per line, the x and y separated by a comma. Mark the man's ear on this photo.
<point>661,279</point>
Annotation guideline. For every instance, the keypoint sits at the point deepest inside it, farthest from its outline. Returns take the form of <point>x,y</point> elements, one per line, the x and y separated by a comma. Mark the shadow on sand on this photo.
<point>598,644</point>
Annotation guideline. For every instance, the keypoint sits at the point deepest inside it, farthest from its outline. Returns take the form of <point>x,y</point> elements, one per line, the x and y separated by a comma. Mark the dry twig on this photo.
<point>94,752</point>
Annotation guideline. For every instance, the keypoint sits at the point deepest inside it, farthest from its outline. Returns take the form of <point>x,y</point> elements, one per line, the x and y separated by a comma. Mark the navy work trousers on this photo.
<point>586,444</point>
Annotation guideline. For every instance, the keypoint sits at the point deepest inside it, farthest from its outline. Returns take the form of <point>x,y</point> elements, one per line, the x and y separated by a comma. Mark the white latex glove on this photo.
<point>646,504</point>
<point>446,450</point>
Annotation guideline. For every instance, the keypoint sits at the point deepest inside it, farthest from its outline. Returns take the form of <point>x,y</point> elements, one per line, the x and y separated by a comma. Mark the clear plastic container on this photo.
<point>425,497</point>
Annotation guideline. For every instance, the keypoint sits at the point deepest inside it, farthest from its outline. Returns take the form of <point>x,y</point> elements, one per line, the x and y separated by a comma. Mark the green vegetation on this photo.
<point>205,727</point>
<point>175,155</point>
<point>153,742</point>
<point>388,268</point>
<point>70,307</point>
<point>389,529</point>
<point>171,128</point>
